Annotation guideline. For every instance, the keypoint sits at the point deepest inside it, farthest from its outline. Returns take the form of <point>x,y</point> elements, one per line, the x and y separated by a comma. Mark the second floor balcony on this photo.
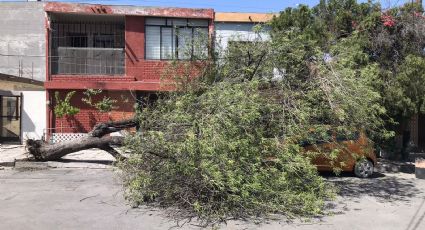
<point>81,45</point>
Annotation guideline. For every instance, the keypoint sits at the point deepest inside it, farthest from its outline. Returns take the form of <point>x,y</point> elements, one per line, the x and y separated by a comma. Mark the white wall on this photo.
<point>33,114</point>
<point>233,31</point>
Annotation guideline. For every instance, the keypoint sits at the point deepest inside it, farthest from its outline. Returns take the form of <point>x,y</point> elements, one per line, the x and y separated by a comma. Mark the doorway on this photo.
<point>10,119</point>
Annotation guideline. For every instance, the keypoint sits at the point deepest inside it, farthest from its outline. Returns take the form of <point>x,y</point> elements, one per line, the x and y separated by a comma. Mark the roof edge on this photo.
<point>99,9</point>
<point>243,17</point>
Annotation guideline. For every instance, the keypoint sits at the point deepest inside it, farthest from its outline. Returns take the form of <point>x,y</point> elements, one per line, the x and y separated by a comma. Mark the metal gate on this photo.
<point>10,118</point>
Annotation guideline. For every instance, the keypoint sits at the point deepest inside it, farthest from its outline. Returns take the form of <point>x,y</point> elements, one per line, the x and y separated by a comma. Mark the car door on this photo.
<point>321,145</point>
<point>350,144</point>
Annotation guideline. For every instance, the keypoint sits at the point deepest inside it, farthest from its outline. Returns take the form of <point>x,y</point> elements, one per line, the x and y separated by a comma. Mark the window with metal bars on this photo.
<point>87,48</point>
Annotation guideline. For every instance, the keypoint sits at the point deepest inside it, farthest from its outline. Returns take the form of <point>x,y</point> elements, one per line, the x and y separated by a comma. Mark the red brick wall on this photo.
<point>91,78</point>
<point>89,116</point>
<point>136,65</point>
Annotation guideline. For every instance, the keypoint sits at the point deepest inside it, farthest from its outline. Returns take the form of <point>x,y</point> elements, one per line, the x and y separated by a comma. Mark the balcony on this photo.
<point>87,45</point>
<point>88,61</point>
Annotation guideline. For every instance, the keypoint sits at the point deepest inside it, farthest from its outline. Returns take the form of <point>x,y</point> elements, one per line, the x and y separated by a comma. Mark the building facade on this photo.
<point>50,48</point>
<point>123,51</point>
<point>22,71</point>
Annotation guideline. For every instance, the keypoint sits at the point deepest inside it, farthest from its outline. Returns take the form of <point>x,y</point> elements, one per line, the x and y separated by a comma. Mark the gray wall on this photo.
<point>234,31</point>
<point>22,37</point>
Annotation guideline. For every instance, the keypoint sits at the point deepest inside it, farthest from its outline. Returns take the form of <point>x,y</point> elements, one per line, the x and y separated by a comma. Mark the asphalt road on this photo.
<point>93,199</point>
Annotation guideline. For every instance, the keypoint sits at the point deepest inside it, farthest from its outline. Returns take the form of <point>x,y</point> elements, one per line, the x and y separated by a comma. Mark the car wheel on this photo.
<point>363,168</point>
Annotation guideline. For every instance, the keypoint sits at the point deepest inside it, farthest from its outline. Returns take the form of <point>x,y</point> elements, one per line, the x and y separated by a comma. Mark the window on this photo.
<point>167,47</point>
<point>88,47</point>
<point>77,39</point>
<point>317,137</point>
<point>184,42</point>
<point>153,42</point>
<point>103,41</point>
<point>347,135</point>
<point>201,39</point>
<point>181,39</point>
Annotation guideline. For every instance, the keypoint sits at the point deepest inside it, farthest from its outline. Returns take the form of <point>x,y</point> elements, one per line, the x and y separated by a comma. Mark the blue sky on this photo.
<point>226,5</point>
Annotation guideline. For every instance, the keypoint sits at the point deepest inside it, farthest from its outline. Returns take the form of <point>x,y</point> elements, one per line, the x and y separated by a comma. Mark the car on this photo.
<point>354,152</point>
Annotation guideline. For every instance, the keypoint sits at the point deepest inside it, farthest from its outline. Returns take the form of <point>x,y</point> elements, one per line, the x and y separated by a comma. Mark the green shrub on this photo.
<point>63,107</point>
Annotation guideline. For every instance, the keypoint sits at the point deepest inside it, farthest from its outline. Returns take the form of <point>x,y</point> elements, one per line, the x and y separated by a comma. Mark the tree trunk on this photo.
<point>43,151</point>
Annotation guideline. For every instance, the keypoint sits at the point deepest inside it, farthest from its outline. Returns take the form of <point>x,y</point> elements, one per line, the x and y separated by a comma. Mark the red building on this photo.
<point>122,50</point>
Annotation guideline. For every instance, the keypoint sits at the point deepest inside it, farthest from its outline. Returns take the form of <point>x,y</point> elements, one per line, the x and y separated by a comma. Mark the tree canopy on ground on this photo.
<point>227,143</point>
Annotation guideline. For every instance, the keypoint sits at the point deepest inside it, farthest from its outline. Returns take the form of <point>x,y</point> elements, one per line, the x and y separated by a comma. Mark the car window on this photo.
<point>317,137</point>
<point>347,135</point>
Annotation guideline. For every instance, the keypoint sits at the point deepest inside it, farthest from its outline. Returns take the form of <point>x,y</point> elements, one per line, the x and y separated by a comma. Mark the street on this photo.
<point>93,199</point>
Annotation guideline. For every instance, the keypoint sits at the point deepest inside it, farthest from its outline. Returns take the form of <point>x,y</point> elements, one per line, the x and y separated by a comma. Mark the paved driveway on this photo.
<point>93,199</point>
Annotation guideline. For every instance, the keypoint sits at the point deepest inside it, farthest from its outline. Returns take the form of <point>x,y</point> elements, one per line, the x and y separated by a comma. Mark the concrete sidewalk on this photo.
<point>11,153</point>
<point>15,156</point>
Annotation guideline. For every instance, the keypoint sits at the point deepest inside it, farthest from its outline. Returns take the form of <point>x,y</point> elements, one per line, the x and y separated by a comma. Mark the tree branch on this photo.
<point>102,129</point>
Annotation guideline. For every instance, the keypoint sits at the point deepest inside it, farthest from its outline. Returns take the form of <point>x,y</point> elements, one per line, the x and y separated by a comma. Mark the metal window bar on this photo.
<point>75,50</point>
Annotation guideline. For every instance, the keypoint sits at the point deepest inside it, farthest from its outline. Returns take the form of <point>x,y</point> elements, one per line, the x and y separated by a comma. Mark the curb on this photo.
<point>73,165</point>
<point>420,173</point>
<point>420,168</point>
<point>28,165</point>
<point>7,163</point>
<point>37,165</point>
<point>386,166</point>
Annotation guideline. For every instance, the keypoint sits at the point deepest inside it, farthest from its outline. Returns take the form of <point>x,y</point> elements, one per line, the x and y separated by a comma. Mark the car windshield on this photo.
<point>316,137</point>
<point>347,135</point>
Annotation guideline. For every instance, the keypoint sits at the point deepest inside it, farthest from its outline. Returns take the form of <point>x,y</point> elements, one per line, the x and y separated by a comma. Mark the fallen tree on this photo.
<point>97,138</point>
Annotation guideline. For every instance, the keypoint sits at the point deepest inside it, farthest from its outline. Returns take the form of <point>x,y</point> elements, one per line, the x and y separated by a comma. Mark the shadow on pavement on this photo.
<point>103,162</point>
<point>383,188</point>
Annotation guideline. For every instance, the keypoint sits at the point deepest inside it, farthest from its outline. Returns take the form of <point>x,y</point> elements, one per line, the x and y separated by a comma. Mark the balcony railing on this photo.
<point>88,61</point>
